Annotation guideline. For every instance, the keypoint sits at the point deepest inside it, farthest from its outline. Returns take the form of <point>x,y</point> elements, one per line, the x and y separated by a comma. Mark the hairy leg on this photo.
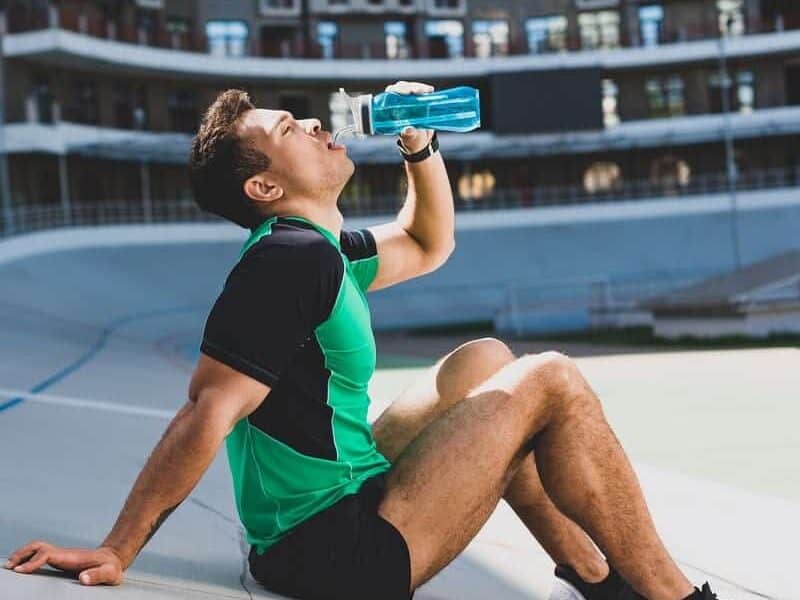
<point>446,482</point>
<point>448,382</point>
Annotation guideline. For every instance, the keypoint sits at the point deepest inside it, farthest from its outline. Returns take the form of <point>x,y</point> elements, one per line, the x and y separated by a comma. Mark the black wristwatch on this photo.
<point>427,151</point>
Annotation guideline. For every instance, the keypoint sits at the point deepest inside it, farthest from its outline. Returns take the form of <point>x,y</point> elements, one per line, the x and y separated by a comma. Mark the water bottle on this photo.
<point>388,113</point>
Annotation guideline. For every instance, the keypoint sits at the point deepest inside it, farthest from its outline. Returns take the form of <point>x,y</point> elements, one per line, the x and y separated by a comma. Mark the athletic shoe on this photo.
<point>570,586</point>
<point>702,594</point>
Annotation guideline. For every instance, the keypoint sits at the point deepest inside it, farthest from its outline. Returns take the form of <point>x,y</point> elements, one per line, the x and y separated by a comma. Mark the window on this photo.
<point>447,4</point>
<point>745,91</point>
<point>265,6</point>
<point>42,102</point>
<point>327,32</point>
<point>651,17</point>
<point>278,41</point>
<point>178,29</point>
<point>546,34</point>
<point>227,38</point>
<point>396,39</point>
<point>665,96</point>
<point>670,173</point>
<point>599,29</point>
<point>610,95</point>
<point>472,186</point>
<point>731,17</point>
<point>740,88</point>
<point>602,176</point>
<point>182,111</point>
<point>84,107</point>
<point>490,38</point>
<point>445,38</point>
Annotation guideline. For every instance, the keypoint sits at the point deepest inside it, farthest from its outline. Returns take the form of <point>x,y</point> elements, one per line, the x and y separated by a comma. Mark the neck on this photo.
<point>326,215</point>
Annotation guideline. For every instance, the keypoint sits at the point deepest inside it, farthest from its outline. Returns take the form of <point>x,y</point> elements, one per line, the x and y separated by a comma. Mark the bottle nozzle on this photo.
<point>361,109</point>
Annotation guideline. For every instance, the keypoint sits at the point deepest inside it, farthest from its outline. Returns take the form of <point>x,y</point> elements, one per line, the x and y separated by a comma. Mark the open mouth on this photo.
<point>333,146</point>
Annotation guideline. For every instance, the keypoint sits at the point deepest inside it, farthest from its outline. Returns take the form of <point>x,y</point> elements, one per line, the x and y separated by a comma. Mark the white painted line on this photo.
<point>141,411</point>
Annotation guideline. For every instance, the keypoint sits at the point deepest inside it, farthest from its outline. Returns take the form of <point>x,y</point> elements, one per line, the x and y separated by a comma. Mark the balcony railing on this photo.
<point>160,36</point>
<point>46,216</point>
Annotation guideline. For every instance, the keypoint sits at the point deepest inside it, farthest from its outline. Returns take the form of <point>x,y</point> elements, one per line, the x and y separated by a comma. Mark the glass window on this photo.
<point>445,38</point>
<point>227,38</point>
<point>665,96</point>
<point>546,34</point>
<point>85,108</point>
<point>741,92</point>
<point>745,91</point>
<point>651,17</point>
<point>731,17</point>
<point>599,29</point>
<point>396,39</point>
<point>472,186</point>
<point>267,5</point>
<point>490,38</point>
<point>602,176</point>
<point>182,111</point>
<point>447,4</point>
<point>670,173</point>
<point>327,32</point>
<point>610,95</point>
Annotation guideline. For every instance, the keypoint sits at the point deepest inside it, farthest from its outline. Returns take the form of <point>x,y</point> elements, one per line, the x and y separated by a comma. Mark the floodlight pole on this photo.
<point>730,155</point>
<point>5,187</point>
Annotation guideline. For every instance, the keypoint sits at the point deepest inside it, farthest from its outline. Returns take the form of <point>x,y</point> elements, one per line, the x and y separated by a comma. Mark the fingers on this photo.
<point>410,87</point>
<point>106,573</point>
<point>22,554</point>
<point>38,560</point>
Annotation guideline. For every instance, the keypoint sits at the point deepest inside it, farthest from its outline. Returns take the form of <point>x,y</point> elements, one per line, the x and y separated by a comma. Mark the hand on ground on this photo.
<point>92,566</point>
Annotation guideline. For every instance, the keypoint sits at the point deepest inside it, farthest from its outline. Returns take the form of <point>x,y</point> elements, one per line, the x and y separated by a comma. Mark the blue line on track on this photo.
<point>99,344</point>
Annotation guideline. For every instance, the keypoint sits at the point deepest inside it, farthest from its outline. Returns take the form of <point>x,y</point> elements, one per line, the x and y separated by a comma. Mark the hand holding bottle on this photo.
<point>413,139</point>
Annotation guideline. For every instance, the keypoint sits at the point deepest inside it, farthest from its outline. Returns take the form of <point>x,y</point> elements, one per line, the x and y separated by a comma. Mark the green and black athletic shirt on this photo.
<point>293,314</point>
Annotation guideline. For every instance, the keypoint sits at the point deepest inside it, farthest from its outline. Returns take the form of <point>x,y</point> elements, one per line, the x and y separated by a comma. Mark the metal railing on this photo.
<point>43,216</point>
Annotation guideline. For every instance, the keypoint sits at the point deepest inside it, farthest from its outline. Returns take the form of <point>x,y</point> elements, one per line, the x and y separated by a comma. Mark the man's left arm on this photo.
<point>422,236</point>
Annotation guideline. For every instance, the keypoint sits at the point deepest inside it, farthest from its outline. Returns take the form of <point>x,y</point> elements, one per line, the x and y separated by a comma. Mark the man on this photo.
<point>332,507</point>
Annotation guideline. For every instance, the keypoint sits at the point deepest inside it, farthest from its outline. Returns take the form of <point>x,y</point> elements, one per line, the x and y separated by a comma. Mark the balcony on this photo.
<point>62,48</point>
<point>669,40</point>
<point>172,147</point>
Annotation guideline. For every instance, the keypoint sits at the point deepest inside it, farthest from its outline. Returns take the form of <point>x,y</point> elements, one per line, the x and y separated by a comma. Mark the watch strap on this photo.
<point>428,150</point>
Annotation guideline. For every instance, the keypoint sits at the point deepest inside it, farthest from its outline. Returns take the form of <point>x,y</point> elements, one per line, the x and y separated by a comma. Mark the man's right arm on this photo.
<point>219,397</point>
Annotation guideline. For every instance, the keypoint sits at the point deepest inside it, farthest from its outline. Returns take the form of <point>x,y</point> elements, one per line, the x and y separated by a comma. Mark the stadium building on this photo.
<point>582,99</point>
<point>627,147</point>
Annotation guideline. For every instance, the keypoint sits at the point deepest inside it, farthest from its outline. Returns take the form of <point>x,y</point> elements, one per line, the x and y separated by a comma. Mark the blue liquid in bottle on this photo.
<point>453,109</point>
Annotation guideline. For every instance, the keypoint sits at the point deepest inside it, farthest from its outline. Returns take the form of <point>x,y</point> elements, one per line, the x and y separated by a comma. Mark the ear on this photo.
<point>263,188</point>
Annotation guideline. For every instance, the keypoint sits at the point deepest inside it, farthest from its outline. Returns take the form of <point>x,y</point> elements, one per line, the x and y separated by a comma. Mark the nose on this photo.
<point>312,126</point>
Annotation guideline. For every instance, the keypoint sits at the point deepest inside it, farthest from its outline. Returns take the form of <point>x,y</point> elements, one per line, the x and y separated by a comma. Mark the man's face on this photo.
<point>303,161</point>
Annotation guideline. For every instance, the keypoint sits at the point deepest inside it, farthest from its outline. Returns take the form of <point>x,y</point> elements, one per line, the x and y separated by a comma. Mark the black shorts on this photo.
<point>347,551</point>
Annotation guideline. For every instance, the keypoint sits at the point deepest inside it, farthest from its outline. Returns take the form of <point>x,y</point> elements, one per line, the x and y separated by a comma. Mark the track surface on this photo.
<point>96,350</point>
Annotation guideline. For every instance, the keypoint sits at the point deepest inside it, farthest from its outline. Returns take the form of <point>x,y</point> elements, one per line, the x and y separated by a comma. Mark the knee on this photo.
<point>484,355</point>
<point>553,372</point>
<point>472,363</point>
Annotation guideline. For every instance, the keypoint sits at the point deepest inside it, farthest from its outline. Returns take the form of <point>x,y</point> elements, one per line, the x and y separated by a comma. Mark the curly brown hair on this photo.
<point>220,161</point>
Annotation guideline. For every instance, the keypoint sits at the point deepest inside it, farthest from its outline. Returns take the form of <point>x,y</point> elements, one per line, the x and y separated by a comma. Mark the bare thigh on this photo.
<point>447,481</point>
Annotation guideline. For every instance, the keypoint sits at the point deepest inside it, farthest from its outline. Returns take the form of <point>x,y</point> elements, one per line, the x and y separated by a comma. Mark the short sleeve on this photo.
<point>271,303</point>
<point>360,248</point>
